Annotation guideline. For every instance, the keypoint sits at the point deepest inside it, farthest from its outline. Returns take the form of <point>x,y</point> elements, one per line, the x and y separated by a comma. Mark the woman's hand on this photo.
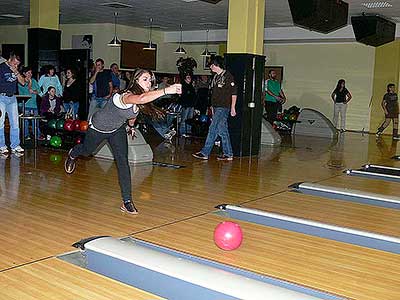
<point>174,89</point>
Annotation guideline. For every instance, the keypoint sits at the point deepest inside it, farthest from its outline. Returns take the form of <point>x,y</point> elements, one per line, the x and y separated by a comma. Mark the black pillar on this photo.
<point>245,128</point>
<point>43,48</point>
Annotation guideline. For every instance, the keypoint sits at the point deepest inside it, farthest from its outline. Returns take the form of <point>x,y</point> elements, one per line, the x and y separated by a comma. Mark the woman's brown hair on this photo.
<point>148,109</point>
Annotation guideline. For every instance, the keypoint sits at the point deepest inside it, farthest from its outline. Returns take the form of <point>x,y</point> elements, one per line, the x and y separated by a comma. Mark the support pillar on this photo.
<point>245,60</point>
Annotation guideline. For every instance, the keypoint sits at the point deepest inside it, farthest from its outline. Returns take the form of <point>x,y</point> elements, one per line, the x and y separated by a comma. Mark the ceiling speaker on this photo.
<point>319,15</point>
<point>373,30</point>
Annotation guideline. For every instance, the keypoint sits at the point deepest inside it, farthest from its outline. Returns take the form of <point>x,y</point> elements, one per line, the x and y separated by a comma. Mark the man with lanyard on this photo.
<point>223,101</point>
<point>9,76</point>
<point>104,87</point>
<point>274,96</point>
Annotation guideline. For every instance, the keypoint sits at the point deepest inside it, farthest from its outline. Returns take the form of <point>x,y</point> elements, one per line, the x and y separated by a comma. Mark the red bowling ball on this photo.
<point>228,236</point>
<point>76,125</point>
<point>68,125</point>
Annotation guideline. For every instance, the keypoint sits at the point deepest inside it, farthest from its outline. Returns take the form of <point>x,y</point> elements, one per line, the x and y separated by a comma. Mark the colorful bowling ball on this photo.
<point>228,235</point>
<point>204,118</point>
<point>69,125</point>
<point>60,124</point>
<point>76,124</point>
<point>84,126</point>
<point>78,140</point>
<point>52,124</point>
<point>55,141</point>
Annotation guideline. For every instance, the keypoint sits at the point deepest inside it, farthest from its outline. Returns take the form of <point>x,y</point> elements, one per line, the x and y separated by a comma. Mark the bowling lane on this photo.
<point>364,184</point>
<point>58,280</point>
<point>343,269</point>
<point>336,212</point>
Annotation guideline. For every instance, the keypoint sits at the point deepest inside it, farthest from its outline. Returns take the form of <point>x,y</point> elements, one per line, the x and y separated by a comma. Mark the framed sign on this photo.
<point>134,56</point>
<point>206,60</point>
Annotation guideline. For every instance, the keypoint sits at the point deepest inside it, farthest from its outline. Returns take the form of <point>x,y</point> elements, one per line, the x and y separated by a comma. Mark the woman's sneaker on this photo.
<point>70,163</point>
<point>129,208</point>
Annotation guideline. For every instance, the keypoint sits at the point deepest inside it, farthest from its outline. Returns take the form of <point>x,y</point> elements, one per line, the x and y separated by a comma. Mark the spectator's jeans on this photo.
<point>9,105</point>
<point>74,106</point>
<point>186,114</point>
<point>162,126</point>
<point>219,127</point>
<point>271,108</point>
<point>95,104</point>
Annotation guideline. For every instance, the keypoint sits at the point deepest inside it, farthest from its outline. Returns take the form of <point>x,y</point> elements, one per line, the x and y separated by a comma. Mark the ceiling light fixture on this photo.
<point>115,42</point>
<point>150,45</point>
<point>180,49</point>
<point>206,53</point>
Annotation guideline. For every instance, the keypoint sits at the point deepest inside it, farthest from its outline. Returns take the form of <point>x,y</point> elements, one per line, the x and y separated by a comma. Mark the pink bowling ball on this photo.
<point>228,236</point>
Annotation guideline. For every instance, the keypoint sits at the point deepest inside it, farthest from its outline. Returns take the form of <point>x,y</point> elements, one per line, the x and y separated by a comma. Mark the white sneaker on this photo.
<point>3,150</point>
<point>17,149</point>
<point>168,136</point>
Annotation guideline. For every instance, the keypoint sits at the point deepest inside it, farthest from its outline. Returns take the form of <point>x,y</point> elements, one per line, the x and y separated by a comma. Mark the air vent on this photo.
<point>378,4</point>
<point>116,5</point>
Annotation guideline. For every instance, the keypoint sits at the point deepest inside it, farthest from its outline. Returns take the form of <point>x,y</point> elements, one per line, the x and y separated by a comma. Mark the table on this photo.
<point>35,120</point>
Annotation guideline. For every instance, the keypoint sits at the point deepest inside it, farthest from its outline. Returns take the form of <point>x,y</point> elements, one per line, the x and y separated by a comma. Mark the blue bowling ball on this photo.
<point>204,118</point>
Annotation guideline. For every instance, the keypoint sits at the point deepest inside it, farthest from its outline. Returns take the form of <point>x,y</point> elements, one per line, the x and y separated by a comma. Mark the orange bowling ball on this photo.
<point>84,125</point>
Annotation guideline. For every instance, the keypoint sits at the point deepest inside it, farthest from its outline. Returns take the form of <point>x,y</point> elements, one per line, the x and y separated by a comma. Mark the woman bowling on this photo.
<point>109,124</point>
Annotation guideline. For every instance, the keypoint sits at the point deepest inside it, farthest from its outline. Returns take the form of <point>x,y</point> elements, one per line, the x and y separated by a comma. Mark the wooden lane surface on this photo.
<point>43,211</point>
<point>55,279</point>
<point>364,184</point>
<point>347,270</point>
<point>348,214</point>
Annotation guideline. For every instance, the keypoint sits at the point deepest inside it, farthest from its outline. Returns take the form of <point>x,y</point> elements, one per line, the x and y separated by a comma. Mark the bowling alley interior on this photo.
<point>199,149</point>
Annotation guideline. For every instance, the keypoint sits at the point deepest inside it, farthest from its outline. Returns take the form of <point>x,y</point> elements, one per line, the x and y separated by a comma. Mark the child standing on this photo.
<point>390,107</point>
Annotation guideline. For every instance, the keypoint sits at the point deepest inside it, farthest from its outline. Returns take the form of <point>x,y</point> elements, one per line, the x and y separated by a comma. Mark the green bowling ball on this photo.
<point>60,124</point>
<point>52,124</point>
<point>55,141</point>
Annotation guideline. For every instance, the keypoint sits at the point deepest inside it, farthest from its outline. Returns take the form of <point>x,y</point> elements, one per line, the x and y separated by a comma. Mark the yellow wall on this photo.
<point>16,34</point>
<point>311,72</point>
<point>387,68</point>
<point>103,33</point>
